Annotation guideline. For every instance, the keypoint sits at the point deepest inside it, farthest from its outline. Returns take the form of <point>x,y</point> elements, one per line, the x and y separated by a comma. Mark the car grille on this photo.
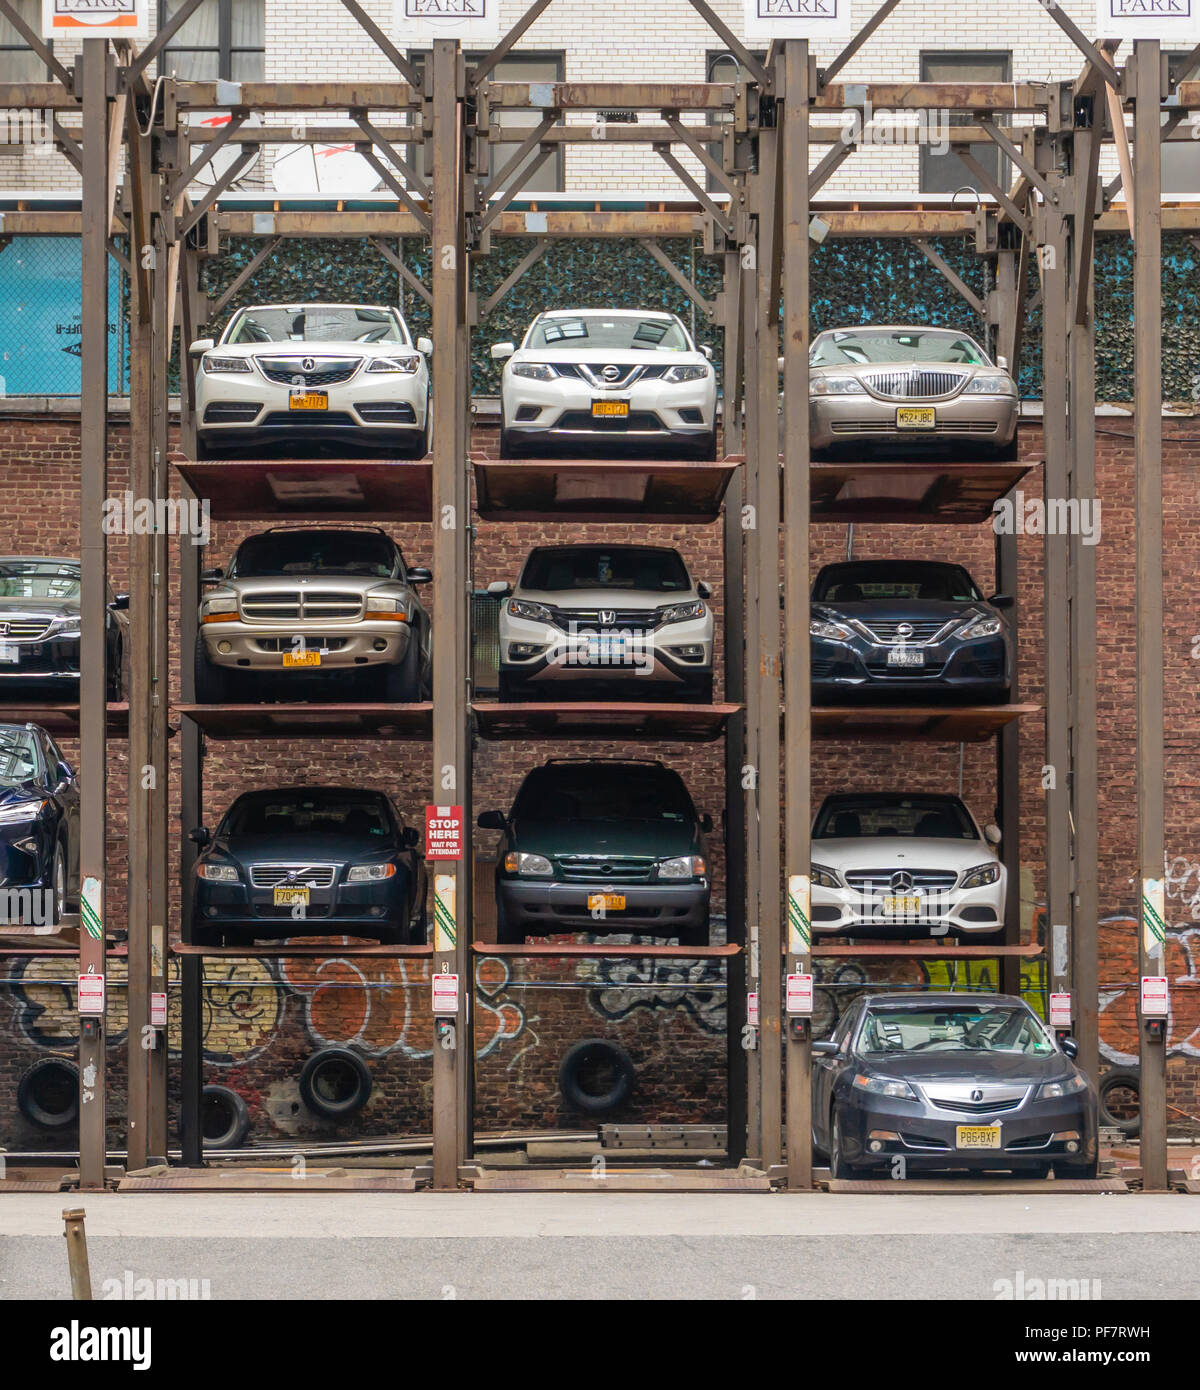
<point>230,413</point>
<point>388,412</point>
<point>325,371</point>
<point>888,633</point>
<point>302,605</point>
<point>888,427</point>
<point>958,1097</point>
<point>593,372</point>
<point>315,875</point>
<point>969,1107</point>
<point>313,641</point>
<point>23,629</point>
<point>619,424</point>
<point>913,384</point>
<point>882,671</point>
<point>593,868</point>
<point>880,880</point>
<point>637,619</point>
<point>309,420</point>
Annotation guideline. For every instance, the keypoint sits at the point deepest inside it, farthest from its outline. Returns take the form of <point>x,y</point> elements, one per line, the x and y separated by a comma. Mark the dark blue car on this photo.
<point>39,830</point>
<point>905,629</point>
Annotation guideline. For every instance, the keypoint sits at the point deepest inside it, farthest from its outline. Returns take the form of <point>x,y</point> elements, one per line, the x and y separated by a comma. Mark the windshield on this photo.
<point>308,813</point>
<point>18,757</point>
<point>969,1028</point>
<point>317,323</point>
<point>923,817</point>
<point>38,579</point>
<point>314,552</point>
<point>622,792</point>
<point>858,346</point>
<point>855,583</point>
<point>595,567</point>
<point>608,332</point>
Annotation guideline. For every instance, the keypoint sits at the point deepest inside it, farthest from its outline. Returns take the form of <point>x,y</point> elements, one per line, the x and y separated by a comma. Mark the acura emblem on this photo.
<point>308,363</point>
<point>976,1094</point>
<point>607,616</point>
<point>902,882</point>
<point>611,372</point>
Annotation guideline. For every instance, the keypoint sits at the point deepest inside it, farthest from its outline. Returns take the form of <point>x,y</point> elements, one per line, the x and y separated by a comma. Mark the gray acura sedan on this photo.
<point>951,1081</point>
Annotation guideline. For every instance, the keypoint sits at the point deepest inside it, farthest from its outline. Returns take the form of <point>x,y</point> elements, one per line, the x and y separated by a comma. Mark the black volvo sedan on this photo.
<point>926,1081</point>
<point>309,861</point>
<point>39,831</point>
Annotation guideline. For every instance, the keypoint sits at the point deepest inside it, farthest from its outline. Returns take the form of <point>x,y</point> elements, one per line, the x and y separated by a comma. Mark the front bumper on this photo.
<point>237,406</point>
<point>956,912</point>
<point>256,646</point>
<point>979,668</point>
<point>677,655</point>
<point>355,908</point>
<point>53,661</point>
<point>990,420</point>
<point>563,409</point>
<point>657,909</point>
<point>926,1135</point>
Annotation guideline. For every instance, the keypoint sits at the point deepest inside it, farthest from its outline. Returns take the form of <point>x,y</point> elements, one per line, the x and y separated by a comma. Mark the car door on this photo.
<point>66,794</point>
<point>826,1071</point>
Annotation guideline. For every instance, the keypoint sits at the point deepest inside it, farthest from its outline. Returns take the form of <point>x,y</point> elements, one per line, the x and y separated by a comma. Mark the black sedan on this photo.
<point>951,1081</point>
<point>39,830</point>
<point>905,629</point>
<point>309,861</point>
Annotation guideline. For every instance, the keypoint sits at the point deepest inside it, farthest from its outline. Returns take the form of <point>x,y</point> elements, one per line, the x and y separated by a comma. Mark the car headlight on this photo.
<point>885,1086</point>
<point>993,384</point>
<point>219,610</point>
<point>66,626</point>
<point>980,627</point>
<point>22,811</point>
<point>535,371</point>
<point>217,873</point>
<point>370,873</point>
<point>522,608</point>
<point>686,866</point>
<point>836,386</point>
<point>822,877</point>
<point>404,365</point>
<point>832,632</point>
<point>379,606</point>
<point>980,876</point>
<point>225,364</point>
<point>528,865</point>
<point>1052,1090</point>
<point>682,612</point>
<point>686,372</point>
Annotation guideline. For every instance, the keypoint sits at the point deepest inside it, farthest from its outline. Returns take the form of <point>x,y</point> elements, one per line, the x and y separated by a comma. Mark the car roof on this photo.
<point>896,328</point>
<point>38,560</point>
<point>616,313</point>
<point>319,304</point>
<point>603,545</point>
<point>902,795</point>
<point>942,1000</point>
<point>314,791</point>
<point>901,562</point>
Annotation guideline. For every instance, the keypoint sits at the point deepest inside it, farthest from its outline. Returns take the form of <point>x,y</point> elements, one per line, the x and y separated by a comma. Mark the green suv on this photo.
<point>602,846</point>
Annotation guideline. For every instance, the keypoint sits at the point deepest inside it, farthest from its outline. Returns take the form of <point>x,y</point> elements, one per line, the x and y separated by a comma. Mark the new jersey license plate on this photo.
<point>290,897</point>
<point>905,904</point>
<point>915,417</point>
<point>977,1136</point>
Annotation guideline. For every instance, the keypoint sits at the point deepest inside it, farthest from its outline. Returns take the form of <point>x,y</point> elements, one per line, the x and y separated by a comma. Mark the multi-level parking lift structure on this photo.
<point>766,489</point>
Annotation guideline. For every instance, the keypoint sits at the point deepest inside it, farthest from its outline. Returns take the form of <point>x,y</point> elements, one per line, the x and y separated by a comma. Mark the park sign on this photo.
<point>95,19</point>
<point>475,22</point>
<point>798,19</point>
<point>1174,22</point>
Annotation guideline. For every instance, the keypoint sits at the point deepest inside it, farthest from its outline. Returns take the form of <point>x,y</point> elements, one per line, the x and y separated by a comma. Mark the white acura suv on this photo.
<point>887,864</point>
<point>624,619</point>
<point>344,372</point>
<point>607,376</point>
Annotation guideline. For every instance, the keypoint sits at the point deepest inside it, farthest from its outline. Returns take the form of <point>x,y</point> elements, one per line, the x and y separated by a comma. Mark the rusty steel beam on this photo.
<point>289,96</point>
<point>612,96</point>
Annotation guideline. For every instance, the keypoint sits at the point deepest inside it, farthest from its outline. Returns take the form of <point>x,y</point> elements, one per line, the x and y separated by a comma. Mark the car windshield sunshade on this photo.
<point>596,792</point>
<point>18,757</point>
<point>307,813</point>
<point>30,579</point>
<point>611,334</point>
<point>598,567</point>
<point>921,817</point>
<point>853,583</point>
<point>313,552</point>
<point>973,1028</point>
<point>333,323</point>
<point>857,347</point>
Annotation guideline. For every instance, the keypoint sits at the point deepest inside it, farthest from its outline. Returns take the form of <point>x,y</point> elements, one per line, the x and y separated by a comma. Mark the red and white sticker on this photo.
<point>799,994</point>
<point>752,1009</point>
<point>91,994</point>
<point>158,1011</point>
<point>445,994</point>
<point>443,832</point>
<point>1060,1010</point>
<point>1156,1001</point>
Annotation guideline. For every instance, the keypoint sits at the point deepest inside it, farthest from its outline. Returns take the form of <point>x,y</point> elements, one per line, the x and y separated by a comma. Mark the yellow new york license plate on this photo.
<point>915,417</point>
<point>611,902</point>
<point>302,658</point>
<point>610,407</point>
<point>289,897</point>
<point>309,400</point>
<point>978,1136</point>
<point>905,904</point>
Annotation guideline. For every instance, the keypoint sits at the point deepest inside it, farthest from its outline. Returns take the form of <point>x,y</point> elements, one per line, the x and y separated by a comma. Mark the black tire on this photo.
<point>1079,1171</point>
<point>510,691</point>
<point>1117,1083</point>
<point>699,692</point>
<point>418,928</point>
<point>113,682</point>
<point>838,1167</point>
<point>579,1059</point>
<point>335,1083</point>
<point>506,933</point>
<point>212,682</point>
<point>206,936</point>
<point>506,448</point>
<point>402,680</point>
<point>224,1118</point>
<point>694,936</point>
<point>203,451</point>
<point>48,1093</point>
<point>58,884</point>
<point>706,451</point>
<point>1037,1170</point>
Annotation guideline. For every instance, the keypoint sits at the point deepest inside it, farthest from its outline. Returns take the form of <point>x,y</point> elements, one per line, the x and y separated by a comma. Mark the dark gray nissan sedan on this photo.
<point>948,1081</point>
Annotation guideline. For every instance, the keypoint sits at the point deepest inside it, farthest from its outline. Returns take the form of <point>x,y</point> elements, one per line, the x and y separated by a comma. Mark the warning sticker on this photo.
<point>443,832</point>
<point>91,994</point>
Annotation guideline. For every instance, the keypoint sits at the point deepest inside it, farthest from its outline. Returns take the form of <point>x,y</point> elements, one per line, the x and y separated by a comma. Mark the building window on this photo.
<point>1180,161</point>
<point>946,173</point>
<point>18,62</point>
<point>223,39</point>
<point>723,66</point>
<point>517,67</point>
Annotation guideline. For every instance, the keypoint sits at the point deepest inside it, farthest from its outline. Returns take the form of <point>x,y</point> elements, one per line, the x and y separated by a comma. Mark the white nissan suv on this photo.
<point>605,376</point>
<point>624,619</point>
<point>349,373</point>
<point>889,864</point>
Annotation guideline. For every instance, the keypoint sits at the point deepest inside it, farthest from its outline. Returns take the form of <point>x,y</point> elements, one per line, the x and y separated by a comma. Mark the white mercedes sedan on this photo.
<point>607,377</point>
<point>339,373</point>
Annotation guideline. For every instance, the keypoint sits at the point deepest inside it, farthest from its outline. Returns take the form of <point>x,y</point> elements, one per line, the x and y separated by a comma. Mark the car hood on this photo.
<point>904,610</point>
<point>901,852</point>
<point>24,791</point>
<point>632,838</point>
<point>39,607</point>
<point>582,352</point>
<point>331,349</point>
<point>1009,1067</point>
<point>304,849</point>
<point>606,598</point>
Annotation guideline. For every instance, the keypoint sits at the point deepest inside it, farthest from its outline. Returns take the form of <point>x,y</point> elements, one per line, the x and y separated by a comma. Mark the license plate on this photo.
<point>610,649</point>
<point>915,417</point>
<point>977,1136</point>
<point>905,656</point>
<point>8,652</point>
<point>611,902</point>
<point>289,897</point>
<point>301,659</point>
<point>905,904</point>
<point>308,400</point>
<point>610,408</point>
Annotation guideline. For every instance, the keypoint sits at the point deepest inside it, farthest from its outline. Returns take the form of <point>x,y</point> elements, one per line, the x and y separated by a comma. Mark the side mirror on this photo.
<point>706,823</point>
<point>703,589</point>
<point>824,1049</point>
<point>502,350</point>
<point>779,363</point>
<point>991,833</point>
<point>120,603</point>
<point>1002,363</point>
<point>1069,1048</point>
<point>420,575</point>
<point>213,576</point>
<point>425,346</point>
<point>492,820</point>
<point>200,835</point>
<point>707,351</point>
<point>499,588</point>
<point>202,345</point>
<point>410,837</point>
<point>1001,600</point>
